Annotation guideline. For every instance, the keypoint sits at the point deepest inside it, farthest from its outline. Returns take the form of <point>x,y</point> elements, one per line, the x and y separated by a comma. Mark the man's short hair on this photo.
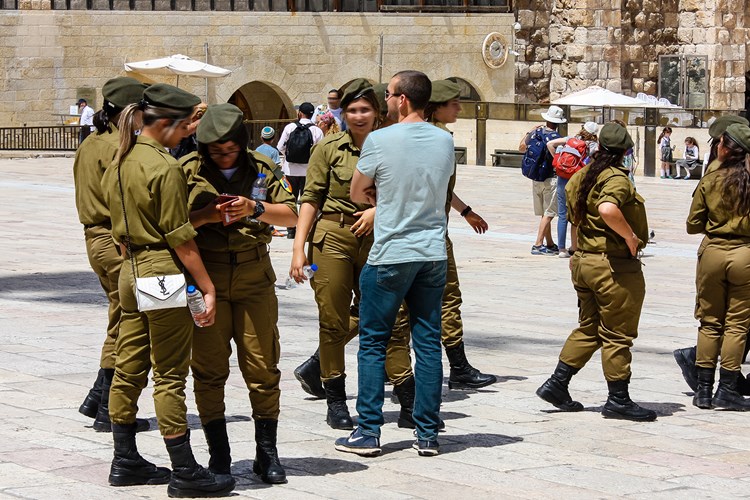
<point>337,91</point>
<point>415,86</point>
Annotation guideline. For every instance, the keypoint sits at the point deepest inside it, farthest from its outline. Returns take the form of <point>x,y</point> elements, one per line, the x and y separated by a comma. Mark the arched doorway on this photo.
<point>263,104</point>
<point>468,91</point>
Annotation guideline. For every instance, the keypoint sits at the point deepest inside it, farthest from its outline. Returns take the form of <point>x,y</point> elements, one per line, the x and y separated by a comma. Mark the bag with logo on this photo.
<point>571,159</point>
<point>537,161</point>
<point>299,144</point>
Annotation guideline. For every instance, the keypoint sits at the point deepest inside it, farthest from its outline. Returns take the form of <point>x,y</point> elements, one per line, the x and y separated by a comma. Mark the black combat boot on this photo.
<point>619,405</point>
<point>129,468</point>
<point>308,374</point>
<point>686,361</point>
<point>405,393</point>
<point>743,385</point>
<point>189,479</point>
<point>704,393</point>
<point>338,413</point>
<point>555,389</point>
<point>463,375</point>
<point>90,404</point>
<point>727,397</point>
<point>266,463</point>
<point>220,461</point>
<point>102,422</point>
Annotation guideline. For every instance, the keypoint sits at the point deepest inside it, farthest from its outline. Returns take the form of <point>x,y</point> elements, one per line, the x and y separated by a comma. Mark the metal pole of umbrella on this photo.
<point>205,50</point>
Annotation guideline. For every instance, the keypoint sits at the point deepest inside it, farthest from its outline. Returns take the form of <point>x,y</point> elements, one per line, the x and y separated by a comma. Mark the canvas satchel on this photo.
<point>155,292</point>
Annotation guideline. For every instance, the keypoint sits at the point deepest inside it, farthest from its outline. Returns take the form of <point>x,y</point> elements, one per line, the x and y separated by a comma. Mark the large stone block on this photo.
<point>536,70</point>
<point>575,52</point>
<point>634,53</point>
<point>687,20</point>
<point>640,20</point>
<point>704,19</point>
<point>567,33</point>
<point>637,84</point>
<point>649,87</point>
<point>692,5</point>
<point>720,100</point>
<point>685,35</point>
<point>568,69</point>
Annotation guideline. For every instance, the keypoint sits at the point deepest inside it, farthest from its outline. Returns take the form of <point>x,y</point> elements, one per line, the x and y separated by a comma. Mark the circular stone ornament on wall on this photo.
<point>495,50</point>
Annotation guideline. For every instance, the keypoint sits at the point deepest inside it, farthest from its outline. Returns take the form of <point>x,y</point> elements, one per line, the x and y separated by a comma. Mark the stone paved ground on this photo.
<point>500,442</point>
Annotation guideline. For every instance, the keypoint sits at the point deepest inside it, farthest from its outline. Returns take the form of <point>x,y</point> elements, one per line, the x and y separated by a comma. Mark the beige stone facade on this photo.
<point>50,57</point>
<point>567,45</point>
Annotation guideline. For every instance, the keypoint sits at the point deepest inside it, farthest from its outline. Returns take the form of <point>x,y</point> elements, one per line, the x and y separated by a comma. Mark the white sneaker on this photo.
<point>563,254</point>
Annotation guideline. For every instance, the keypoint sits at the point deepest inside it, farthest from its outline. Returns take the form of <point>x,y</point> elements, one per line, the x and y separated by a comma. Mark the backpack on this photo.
<point>536,163</point>
<point>299,143</point>
<point>571,159</point>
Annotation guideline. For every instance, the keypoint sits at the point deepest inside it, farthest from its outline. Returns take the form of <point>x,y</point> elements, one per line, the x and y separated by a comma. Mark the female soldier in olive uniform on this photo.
<point>685,357</point>
<point>721,210</point>
<point>92,158</point>
<point>340,242</point>
<point>236,258</point>
<point>158,240</point>
<point>609,228</point>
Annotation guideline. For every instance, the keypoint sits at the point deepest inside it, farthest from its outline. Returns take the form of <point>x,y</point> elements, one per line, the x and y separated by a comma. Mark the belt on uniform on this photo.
<point>107,225</point>
<point>342,219</point>
<point>235,257</point>
<point>146,248</point>
<point>617,254</point>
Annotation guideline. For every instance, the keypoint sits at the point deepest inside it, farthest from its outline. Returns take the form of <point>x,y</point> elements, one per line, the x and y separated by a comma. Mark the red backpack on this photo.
<point>571,159</point>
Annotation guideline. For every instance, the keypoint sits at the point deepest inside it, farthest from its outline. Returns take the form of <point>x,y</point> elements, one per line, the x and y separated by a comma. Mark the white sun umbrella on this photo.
<point>596,96</point>
<point>178,64</point>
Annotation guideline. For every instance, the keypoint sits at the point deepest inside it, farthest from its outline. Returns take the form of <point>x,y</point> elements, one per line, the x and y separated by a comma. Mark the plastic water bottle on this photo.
<point>195,302</point>
<point>259,191</point>
<point>308,271</point>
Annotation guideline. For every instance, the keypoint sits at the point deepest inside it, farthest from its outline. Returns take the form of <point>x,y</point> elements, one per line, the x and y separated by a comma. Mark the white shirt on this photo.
<point>87,117</point>
<point>290,168</point>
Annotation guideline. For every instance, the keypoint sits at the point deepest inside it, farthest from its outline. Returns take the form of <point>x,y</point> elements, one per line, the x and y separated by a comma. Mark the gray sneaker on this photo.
<point>426,448</point>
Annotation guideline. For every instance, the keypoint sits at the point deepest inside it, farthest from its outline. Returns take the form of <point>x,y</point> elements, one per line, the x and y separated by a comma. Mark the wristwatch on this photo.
<point>260,209</point>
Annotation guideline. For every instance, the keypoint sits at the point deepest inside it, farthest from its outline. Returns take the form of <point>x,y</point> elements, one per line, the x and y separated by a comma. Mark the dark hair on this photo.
<point>736,170</point>
<point>691,140</point>
<point>587,136</point>
<point>338,92</point>
<point>415,86</point>
<point>372,100</point>
<point>663,132</point>
<point>602,159</point>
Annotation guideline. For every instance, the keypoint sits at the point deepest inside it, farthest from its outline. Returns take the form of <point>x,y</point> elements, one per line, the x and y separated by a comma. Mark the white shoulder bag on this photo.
<point>156,292</point>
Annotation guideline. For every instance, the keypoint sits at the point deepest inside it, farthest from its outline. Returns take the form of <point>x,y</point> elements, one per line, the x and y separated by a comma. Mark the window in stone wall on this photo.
<point>683,80</point>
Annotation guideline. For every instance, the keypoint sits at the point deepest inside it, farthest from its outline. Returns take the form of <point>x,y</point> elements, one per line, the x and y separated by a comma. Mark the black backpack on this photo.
<point>299,143</point>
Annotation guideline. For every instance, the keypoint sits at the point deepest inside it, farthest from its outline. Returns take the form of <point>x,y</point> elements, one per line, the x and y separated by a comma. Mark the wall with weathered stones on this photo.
<point>567,45</point>
<point>47,57</point>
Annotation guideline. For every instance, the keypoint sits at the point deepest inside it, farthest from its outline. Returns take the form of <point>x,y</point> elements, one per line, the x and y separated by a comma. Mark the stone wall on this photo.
<point>568,45</point>
<point>47,57</point>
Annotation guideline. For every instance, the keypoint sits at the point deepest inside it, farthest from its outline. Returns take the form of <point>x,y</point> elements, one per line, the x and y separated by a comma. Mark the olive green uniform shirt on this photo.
<point>92,159</point>
<point>329,175</point>
<point>712,213</point>
<point>452,180</point>
<point>612,185</point>
<point>206,182</point>
<point>155,198</point>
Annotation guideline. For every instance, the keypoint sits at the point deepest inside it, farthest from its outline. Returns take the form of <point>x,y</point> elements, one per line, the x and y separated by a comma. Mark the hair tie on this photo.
<point>142,105</point>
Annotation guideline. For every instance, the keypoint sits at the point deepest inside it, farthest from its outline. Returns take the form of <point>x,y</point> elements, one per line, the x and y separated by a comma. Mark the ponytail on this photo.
<point>603,159</point>
<point>128,127</point>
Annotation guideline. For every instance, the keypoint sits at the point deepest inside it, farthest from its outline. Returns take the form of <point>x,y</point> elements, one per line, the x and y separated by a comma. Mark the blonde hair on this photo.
<point>128,124</point>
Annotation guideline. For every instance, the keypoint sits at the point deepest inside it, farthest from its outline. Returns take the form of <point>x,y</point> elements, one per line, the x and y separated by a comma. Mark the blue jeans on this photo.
<point>562,213</point>
<point>383,289</point>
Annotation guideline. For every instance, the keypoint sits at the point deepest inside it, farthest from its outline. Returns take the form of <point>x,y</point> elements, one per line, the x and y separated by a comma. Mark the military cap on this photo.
<point>740,133</point>
<point>219,124</point>
<point>379,89</point>
<point>355,90</point>
<point>719,126</point>
<point>121,91</point>
<point>162,95</point>
<point>444,91</point>
<point>615,137</point>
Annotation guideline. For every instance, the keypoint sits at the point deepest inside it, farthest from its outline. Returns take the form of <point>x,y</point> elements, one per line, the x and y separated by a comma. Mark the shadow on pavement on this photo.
<point>457,443</point>
<point>242,470</point>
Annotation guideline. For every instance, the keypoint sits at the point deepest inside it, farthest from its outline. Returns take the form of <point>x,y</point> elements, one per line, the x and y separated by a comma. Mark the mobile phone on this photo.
<point>224,201</point>
<point>226,198</point>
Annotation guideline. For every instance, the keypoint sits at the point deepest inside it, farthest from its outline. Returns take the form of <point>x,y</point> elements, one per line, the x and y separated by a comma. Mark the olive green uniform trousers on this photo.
<point>610,294</point>
<point>723,302</point>
<point>246,312</point>
<point>105,261</point>
<point>158,340</point>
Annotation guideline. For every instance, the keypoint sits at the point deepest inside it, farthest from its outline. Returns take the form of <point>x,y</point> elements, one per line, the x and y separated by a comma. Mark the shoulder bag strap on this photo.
<point>127,229</point>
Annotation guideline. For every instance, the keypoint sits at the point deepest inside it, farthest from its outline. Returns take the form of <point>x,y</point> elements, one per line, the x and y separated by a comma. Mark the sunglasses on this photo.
<point>388,94</point>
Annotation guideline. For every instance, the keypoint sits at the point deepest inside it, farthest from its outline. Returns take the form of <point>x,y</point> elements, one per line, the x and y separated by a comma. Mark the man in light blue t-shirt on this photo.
<point>404,170</point>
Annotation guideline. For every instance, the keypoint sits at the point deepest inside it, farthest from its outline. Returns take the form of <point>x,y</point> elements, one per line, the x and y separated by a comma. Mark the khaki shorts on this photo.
<point>545,197</point>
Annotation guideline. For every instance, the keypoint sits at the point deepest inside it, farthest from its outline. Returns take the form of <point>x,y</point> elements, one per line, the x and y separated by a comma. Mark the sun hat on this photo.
<point>554,114</point>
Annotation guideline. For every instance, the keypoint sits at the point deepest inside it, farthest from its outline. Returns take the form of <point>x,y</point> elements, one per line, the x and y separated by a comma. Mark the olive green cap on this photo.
<point>162,95</point>
<point>379,89</point>
<point>444,91</point>
<point>219,124</point>
<point>719,126</point>
<point>614,136</point>
<point>355,90</point>
<point>123,90</point>
<point>740,133</point>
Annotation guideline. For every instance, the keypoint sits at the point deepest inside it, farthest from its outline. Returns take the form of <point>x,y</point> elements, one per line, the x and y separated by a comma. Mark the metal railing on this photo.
<point>54,138</point>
